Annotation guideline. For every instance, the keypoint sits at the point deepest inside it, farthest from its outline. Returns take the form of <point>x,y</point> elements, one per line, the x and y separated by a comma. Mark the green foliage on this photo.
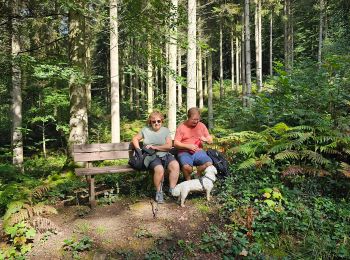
<point>75,246</point>
<point>285,148</point>
<point>20,241</point>
<point>284,216</point>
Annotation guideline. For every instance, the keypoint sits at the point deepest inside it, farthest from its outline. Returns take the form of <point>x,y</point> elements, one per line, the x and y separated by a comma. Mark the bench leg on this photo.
<point>91,182</point>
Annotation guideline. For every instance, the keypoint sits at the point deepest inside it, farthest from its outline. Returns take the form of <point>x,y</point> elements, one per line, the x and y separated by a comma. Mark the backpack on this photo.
<point>136,160</point>
<point>219,162</point>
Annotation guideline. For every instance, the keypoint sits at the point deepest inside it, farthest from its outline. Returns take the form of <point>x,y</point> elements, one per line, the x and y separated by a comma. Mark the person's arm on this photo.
<point>136,141</point>
<point>164,147</point>
<point>183,146</point>
<point>207,138</point>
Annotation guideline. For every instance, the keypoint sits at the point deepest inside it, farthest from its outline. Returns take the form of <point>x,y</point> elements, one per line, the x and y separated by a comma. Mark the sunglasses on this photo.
<point>156,121</point>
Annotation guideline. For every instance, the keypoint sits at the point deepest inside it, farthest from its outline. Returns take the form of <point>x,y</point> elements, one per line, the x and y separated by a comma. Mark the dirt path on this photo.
<point>125,229</point>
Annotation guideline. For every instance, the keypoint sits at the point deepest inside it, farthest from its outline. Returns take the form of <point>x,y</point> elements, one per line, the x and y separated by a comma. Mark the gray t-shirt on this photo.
<point>151,137</point>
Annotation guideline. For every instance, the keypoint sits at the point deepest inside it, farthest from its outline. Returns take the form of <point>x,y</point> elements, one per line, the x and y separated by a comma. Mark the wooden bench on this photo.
<point>88,153</point>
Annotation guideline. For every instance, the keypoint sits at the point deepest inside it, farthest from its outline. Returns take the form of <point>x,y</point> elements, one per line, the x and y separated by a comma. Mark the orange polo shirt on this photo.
<point>189,135</point>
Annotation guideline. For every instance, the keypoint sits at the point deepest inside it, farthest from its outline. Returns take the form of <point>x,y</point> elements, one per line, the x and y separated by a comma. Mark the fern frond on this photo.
<point>263,160</point>
<point>248,149</point>
<point>302,128</point>
<point>281,146</point>
<point>288,154</point>
<point>17,217</point>
<point>297,169</point>
<point>345,169</point>
<point>40,191</point>
<point>294,135</point>
<point>346,151</point>
<point>314,157</point>
<point>26,212</point>
<point>325,139</point>
<point>29,209</point>
<point>43,224</point>
<point>329,148</point>
<point>292,170</point>
<point>301,140</point>
<point>280,128</point>
<point>243,136</point>
<point>250,163</point>
<point>40,209</point>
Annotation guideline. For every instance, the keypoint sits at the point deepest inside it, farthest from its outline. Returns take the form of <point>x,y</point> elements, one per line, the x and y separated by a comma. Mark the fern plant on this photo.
<point>294,150</point>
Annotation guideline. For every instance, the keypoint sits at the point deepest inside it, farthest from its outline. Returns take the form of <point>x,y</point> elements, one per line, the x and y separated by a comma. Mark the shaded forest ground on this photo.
<point>127,229</point>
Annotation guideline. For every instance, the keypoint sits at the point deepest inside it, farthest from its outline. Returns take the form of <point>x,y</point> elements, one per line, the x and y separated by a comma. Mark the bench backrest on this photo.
<point>99,152</point>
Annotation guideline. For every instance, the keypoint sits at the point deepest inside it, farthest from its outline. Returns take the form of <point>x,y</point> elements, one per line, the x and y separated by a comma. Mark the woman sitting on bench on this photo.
<point>157,143</point>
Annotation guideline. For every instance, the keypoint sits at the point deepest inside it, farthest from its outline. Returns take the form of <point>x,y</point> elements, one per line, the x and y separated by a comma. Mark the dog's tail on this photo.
<point>176,191</point>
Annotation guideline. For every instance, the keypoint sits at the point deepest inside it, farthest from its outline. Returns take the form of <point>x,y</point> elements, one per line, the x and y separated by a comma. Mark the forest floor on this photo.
<point>128,229</point>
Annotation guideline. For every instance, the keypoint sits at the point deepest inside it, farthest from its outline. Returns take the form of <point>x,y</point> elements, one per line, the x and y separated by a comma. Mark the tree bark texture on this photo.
<point>221,64</point>
<point>247,55</point>
<point>78,95</point>
<point>210,92</point>
<point>16,94</point>
<point>191,55</point>
<point>258,44</point>
<point>172,66</point>
<point>149,79</point>
<point>114,60</point>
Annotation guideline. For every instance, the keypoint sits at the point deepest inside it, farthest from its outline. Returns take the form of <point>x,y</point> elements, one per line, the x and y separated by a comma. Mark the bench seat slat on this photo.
<point>89,148</point>
<point>100,156</point>
<point>103,170</point>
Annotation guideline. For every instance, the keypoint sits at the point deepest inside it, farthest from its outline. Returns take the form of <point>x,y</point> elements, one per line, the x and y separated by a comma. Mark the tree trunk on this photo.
<point>258,44</point>
<point>114,59</point>
<point>137,96</point>
<point>232,62</point>
<point>78,96</point>
<point>271,38</point>
<point>246,101</point>
<point>288,42</point>
<point>200,79</point>
<point>221,64</point>
<point>238,71</point>
<point>200,64</point>
<point>210,92</point>
<point>16,94</point>
<point>172,66</point>
<point>179,73</point>
<point>243,66</point>
<point>167,75</point>
<point>149,79</point>
<point>320,33</point>
<point>205,91</point>
<point>191,55</point>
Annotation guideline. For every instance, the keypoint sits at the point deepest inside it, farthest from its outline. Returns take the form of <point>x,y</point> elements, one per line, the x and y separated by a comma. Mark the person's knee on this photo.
<point>159,170</point>
<point>207,164</point>
<point>187,168</point>
<point>174,166</point>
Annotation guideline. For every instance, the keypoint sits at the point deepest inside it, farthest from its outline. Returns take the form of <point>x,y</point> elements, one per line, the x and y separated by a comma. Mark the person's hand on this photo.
<point>193,147</point>
<point>150,147</point>
<point>138,150</point>
<point>204,139</point>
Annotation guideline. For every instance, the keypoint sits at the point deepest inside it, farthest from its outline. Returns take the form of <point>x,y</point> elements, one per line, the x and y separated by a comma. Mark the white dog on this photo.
<point>205,183</point>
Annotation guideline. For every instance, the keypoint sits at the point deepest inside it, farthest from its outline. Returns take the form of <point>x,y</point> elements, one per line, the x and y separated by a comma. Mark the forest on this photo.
<point>271,78</point>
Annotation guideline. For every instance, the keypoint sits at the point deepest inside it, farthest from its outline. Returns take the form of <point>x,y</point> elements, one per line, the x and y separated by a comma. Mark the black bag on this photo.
<point>219,162</point>
<point>136,160</point>
<point>148,151</point>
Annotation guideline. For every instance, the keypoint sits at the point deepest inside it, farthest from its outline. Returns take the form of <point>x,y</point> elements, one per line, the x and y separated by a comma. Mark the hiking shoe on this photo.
<point>159,197</point>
